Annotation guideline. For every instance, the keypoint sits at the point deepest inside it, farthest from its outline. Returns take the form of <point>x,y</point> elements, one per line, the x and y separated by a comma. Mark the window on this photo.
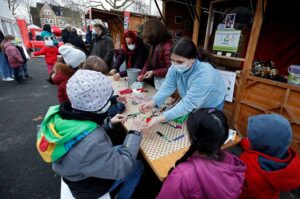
<point>51,21</point>
<point>60,22</point>
<point>47,12</point>
<point>46,21</point>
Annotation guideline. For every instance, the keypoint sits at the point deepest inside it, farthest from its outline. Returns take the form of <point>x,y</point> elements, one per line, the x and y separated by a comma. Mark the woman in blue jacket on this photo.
<point>198,83</point>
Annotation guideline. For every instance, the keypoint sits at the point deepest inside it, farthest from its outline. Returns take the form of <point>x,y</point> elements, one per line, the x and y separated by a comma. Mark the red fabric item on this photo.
<point>160,59</point>
<point>44,144</point>
<point>14,56</point>
<point>60,79</point>
<point>129,53</point>
<point>50,54</point>
<point>261,184</point>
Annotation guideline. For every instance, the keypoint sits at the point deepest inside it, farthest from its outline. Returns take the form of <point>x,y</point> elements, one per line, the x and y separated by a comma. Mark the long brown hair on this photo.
<point>155,32</point>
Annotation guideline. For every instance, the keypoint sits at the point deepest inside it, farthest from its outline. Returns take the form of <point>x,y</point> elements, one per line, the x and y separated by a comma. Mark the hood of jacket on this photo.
<point>226,180</point>
<point>57,136</point>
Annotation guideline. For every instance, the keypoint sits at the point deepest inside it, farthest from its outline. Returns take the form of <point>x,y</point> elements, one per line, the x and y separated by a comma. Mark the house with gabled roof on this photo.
<point>45,13</point>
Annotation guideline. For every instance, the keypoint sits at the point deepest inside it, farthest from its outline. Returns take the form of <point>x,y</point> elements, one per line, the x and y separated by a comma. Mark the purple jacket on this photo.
<point>205,179</point>
<point>14,57</point>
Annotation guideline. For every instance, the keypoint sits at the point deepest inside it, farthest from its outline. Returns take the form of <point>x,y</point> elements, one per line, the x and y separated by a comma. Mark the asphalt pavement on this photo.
<point>23,174</point>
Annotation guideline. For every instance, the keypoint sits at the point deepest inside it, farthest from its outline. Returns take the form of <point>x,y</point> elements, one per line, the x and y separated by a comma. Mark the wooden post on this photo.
<point>255,31</point>
<point>208,26</point>
<point>197,22</point>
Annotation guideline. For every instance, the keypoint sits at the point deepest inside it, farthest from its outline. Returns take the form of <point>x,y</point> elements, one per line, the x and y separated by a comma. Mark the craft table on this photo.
<point>160,154</point>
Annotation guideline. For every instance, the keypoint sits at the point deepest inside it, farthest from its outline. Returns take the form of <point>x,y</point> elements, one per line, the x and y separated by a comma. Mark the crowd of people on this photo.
<point>79,139</point>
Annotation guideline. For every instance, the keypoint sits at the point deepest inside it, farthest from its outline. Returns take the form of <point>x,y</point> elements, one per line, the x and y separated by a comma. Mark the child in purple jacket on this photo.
<point>205,171</point>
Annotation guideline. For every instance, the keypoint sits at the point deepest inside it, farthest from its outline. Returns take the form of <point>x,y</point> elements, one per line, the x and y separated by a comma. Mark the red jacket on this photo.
<point>50,54</point>
<point>261,184</point>
<point>160,59</point>
<point>60,80</point>
<point>14,56</point>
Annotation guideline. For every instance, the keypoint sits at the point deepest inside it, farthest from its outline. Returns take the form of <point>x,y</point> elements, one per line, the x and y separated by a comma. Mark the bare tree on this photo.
<point>141,7</point>
<point>13,5</point>
<point>114,4</point>
<point>27,4</point>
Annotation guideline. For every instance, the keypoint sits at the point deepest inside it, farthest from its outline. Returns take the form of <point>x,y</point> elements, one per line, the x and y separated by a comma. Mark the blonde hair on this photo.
<point>96,64</point>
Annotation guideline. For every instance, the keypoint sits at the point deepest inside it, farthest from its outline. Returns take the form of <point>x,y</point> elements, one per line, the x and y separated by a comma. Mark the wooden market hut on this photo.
<point>115,21</point>
<point>269,31</point>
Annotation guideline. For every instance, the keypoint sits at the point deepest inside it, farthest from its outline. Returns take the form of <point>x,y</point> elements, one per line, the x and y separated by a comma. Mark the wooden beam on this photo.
<point>197,22</point>
<point>254,36</point>
<point>208,26</point>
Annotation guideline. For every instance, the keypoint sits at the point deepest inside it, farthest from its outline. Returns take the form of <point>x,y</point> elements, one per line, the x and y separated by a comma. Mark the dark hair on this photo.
<point>185,47</point>
<point>205,55</point>
<point>208,130</point>
<point>100,26</point>
<point>47,27</point>
<point>96,64</point>
<point>155,32</point>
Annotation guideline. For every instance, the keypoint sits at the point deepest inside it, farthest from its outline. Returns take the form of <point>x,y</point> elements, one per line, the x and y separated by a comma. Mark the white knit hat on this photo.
<point>89,90</point>
<point>72,56</point>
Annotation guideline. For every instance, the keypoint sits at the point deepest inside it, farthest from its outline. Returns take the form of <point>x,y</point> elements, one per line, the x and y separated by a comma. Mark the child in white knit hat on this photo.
<point>64,68</point>
<point>80,150</point>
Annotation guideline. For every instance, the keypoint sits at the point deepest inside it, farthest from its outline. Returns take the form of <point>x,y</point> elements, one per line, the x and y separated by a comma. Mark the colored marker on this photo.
<point>163,136</point>
<point>179,137</point>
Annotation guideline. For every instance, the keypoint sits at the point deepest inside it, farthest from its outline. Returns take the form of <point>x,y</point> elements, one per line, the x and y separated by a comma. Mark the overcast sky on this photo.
<point>22,12</point>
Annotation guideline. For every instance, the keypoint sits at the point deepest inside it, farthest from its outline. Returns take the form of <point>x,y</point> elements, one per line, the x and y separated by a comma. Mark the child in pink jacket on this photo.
<point>205,171</point>
<point>14,56</point>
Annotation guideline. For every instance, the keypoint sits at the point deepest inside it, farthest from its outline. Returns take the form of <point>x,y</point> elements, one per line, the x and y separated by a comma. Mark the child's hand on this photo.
<point>119,118</point>
<point>122,100</point>
<point>136,124</point>
<point>112,72</point>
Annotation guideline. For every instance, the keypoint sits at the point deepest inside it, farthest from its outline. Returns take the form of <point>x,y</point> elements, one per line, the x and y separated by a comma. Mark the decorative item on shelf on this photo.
<point>294,75</point>
<point>266,69</point>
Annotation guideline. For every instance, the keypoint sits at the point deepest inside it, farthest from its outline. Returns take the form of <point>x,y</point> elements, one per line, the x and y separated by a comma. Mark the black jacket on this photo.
<point>65,36</point>
<point>77,41</point>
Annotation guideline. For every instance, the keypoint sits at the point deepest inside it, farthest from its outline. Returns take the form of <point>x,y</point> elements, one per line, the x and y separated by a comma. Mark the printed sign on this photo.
<point>229,79</point>
<point>126,20</point>
<point>227,40</point>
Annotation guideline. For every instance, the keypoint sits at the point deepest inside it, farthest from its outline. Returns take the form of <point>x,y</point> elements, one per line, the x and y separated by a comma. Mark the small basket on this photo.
<point>294,75</point>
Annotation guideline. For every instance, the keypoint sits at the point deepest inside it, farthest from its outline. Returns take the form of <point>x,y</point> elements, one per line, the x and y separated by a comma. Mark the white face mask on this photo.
<point>131,46</point>
<point>49,41</point>
<point>181,68</point>
<point>94,32</point>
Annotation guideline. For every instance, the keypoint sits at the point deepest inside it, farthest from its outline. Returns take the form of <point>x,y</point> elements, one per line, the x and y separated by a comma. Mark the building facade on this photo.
<point>55,15</point>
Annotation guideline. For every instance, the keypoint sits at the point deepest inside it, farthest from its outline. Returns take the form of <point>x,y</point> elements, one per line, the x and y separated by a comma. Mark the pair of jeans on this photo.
<point>130,182</point>
<point>5,69</point>
<point>16,72</point>
<point>23,71</point>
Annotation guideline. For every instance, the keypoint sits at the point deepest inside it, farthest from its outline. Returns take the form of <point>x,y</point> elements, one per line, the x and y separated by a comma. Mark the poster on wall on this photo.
<point>227,40</point>
<point>126,21</point>
<point>229,21</point>
<point>229,79</point>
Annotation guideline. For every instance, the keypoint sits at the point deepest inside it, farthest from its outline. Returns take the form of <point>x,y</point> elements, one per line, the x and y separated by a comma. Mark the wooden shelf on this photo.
<point>230,58</point>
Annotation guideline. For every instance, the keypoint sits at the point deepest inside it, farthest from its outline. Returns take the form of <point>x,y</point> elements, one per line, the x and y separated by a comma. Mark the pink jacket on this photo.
<point>199,178</point>
<point>14,56</point>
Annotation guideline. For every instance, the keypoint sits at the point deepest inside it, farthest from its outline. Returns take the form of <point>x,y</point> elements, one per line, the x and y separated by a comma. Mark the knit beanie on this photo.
<point>89,90</point>
<point>270,134</point>
<point>72,56</point>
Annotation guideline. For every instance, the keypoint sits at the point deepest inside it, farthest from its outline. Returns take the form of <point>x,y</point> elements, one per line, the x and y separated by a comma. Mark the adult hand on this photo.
<point>136,124</point>
<point>119,118</point>
<point>148,74</point>
<point>140,78</point>
<point>112,72</point>
<point>153,122</point>
<point>147,106</point>
<point>117,77</point>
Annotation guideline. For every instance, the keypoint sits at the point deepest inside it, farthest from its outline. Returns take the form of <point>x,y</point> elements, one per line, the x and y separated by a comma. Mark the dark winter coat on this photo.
<point>77,41</point>
<point>65,35</point>
<point>103,47</point>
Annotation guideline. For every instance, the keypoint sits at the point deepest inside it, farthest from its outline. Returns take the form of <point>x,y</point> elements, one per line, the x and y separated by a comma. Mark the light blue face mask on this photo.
<point>181,68</point>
